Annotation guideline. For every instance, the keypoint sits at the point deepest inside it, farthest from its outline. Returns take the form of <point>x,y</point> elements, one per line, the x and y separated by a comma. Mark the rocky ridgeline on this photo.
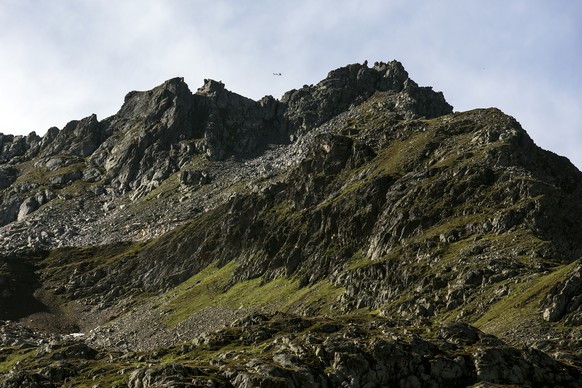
<point>343,204</point>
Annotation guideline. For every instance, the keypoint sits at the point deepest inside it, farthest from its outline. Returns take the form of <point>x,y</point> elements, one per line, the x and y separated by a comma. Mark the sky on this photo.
<point>63,60</point>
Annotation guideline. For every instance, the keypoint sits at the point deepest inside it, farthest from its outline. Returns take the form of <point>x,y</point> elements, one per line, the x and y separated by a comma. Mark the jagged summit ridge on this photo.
<point>298,110</point>
<point>157,132</point>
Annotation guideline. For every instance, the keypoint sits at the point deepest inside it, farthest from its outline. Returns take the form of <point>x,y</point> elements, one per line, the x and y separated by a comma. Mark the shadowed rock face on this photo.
<point>355,232</point>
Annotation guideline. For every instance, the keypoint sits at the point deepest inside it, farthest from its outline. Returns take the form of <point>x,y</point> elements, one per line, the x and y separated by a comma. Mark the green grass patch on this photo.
<point>399,155</point>
<point>359,260</point>
<point>28,173</point>
<point>74,167</point>
<point>76,188</point>
<point>101,255</point>
<point>105,374</point>
<point>284,211</point>
<point>13,356</point>
<point>208,289</point>
<point>522,303</point>
<point>200,291</point>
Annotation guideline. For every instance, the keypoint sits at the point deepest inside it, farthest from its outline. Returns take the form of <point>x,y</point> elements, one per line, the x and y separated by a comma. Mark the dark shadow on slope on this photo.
<point>18,281</point>
<point>23,297</point>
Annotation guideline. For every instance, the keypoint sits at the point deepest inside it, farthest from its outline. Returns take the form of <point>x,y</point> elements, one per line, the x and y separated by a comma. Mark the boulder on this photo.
<point>28,206</point>
<point>194,177</point>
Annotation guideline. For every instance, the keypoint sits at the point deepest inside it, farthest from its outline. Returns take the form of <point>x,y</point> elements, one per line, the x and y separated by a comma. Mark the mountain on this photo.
<point>356,232</point>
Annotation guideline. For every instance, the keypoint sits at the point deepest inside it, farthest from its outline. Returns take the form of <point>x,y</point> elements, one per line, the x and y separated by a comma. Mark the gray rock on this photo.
<point>565,298</point>
<point>161,375</point>
<point>499,365</point>
<point>64,179</point>
<point>91,174</point>
<point>14,148</point>
<point>194,178</point>
<point>28,206</point>
<point>248,380</point>
<point>78,138</point>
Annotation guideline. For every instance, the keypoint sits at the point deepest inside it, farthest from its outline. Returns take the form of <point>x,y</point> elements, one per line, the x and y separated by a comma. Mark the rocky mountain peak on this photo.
<point>356,232</point>
<point>351,85</point>
<point>172,104</point>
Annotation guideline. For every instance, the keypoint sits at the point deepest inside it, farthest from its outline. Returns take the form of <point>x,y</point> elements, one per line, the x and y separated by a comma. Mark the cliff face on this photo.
<point>357,203</point>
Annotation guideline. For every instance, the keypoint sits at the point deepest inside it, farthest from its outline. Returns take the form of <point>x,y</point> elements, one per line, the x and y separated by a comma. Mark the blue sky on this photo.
<point>66,59</point>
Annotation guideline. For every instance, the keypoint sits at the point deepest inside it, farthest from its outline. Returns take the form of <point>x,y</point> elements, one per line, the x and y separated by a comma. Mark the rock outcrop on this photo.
<point>311,106</point>
<point>564,300</point>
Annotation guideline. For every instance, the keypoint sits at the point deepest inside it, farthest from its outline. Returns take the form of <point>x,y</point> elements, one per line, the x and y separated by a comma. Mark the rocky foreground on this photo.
<point>291,351</point>
<point>356,232</point>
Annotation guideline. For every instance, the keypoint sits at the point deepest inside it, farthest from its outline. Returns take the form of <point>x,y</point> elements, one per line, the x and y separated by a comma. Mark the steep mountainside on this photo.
<point>356,232</point>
